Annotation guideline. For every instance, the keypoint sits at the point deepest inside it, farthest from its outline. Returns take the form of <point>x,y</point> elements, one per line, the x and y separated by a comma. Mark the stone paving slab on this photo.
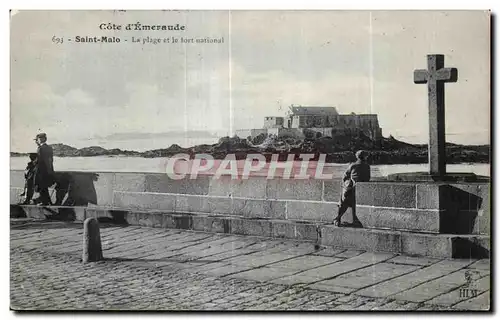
<point>413,279</point>
<point>284,267</point>
<point>328,252</point>
<point>368,276</point>
<point>258,260</point>
<point>290,247</point>
<point>227,247</point>
<point>262,274</point>
<point>262,244</point>
<point>50,237</point>
<point>226,270</point>
<point>147,244</point>
<point>483,264</point>
<point>459,295</point>
<point>481,302</point>
<point>217,243</point>
<point>159,269</point>
<point>208,266</point>
<point>348,253</point>
<point>435,288</point>
<point>233,253</point>
<point>304,262</point>
<point>317,274</point>
<point>401,306</point>
<point>326,286</point>
<point>417,261</point>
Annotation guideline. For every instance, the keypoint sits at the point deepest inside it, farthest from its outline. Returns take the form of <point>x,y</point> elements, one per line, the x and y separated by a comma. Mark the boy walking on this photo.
<point>358,171</point>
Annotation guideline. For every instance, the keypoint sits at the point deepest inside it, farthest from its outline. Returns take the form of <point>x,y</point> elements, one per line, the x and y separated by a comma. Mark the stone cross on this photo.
<point>435,76</point>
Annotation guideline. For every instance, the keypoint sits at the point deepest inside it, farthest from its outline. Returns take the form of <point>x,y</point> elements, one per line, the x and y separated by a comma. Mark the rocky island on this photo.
<point>338,149</point>
<point>304,130</point>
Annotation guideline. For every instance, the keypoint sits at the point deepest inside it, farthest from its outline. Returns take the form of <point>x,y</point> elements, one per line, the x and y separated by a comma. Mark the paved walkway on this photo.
<point>161,269</point>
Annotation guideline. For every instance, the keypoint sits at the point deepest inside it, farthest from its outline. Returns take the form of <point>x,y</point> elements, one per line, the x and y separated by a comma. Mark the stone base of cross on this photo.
<point>427,177</point>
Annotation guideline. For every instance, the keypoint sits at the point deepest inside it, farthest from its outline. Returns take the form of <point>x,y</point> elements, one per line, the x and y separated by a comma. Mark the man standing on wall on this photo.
<point>358,171</point>
<point>44,169</point>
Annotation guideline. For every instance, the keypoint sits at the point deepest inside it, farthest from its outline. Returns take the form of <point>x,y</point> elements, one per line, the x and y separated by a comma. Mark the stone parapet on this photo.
<point>421,218</point>
<point>255,187</point>
<point>461,208</point>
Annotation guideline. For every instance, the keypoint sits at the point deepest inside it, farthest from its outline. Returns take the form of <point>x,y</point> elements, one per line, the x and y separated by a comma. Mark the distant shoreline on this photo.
<point>339,150</point>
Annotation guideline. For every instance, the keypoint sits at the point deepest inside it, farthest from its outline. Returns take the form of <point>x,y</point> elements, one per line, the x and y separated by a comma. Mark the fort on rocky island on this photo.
<point>324,121</point>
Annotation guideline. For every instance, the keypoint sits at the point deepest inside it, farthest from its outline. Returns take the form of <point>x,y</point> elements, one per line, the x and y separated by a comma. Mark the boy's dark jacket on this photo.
<point>29,172</point>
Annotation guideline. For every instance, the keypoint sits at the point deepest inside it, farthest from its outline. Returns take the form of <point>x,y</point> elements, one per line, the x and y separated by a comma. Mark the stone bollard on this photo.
<point>92,249</point>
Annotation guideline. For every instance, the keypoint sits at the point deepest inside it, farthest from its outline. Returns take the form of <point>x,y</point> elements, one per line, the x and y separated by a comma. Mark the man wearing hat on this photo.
<point>358,171</point>
<point>44,169</point>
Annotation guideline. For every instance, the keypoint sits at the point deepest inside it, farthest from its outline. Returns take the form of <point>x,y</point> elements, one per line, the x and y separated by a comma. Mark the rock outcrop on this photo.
<point>338,150</point>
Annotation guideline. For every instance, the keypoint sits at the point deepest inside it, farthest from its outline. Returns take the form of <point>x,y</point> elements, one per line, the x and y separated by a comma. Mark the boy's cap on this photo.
<point>361,154</point>
<point>41,136</point>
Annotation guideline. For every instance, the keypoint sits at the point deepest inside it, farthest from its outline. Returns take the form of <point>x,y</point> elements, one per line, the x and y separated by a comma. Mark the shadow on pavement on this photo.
<point>162,260</point>
<point>52,224</point>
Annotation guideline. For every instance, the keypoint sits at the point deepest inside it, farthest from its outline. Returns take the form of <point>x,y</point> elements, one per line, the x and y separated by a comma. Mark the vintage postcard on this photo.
<point>250,160</point>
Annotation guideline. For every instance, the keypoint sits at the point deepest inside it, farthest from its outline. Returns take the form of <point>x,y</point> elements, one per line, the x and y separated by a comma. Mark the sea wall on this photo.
<point>456,208</point>
<point>425,219</point>
<point>113,190</point>
<point>461,208</point>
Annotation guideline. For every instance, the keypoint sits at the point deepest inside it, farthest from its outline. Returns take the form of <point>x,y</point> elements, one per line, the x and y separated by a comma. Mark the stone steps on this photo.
<point>407,219</point>
<point>321,233</point>
<point>404,219</point>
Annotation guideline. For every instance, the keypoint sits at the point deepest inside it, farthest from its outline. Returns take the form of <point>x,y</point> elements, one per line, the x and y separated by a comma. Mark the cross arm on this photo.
<point>447,74</point>
<point>420,76</point>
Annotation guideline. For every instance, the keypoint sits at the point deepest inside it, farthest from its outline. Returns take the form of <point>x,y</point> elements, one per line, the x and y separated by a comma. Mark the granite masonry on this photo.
<point>415,218</point>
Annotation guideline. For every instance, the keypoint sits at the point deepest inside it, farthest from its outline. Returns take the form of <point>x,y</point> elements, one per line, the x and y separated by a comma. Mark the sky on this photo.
<point>84,94</point>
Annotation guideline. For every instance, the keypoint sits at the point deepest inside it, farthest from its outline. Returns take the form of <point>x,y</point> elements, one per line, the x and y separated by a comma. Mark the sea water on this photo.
<point>158,165</point>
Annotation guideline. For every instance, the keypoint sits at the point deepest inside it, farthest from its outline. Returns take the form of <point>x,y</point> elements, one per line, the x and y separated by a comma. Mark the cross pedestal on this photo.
<point>454,205</point>
<point>426,177</point>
